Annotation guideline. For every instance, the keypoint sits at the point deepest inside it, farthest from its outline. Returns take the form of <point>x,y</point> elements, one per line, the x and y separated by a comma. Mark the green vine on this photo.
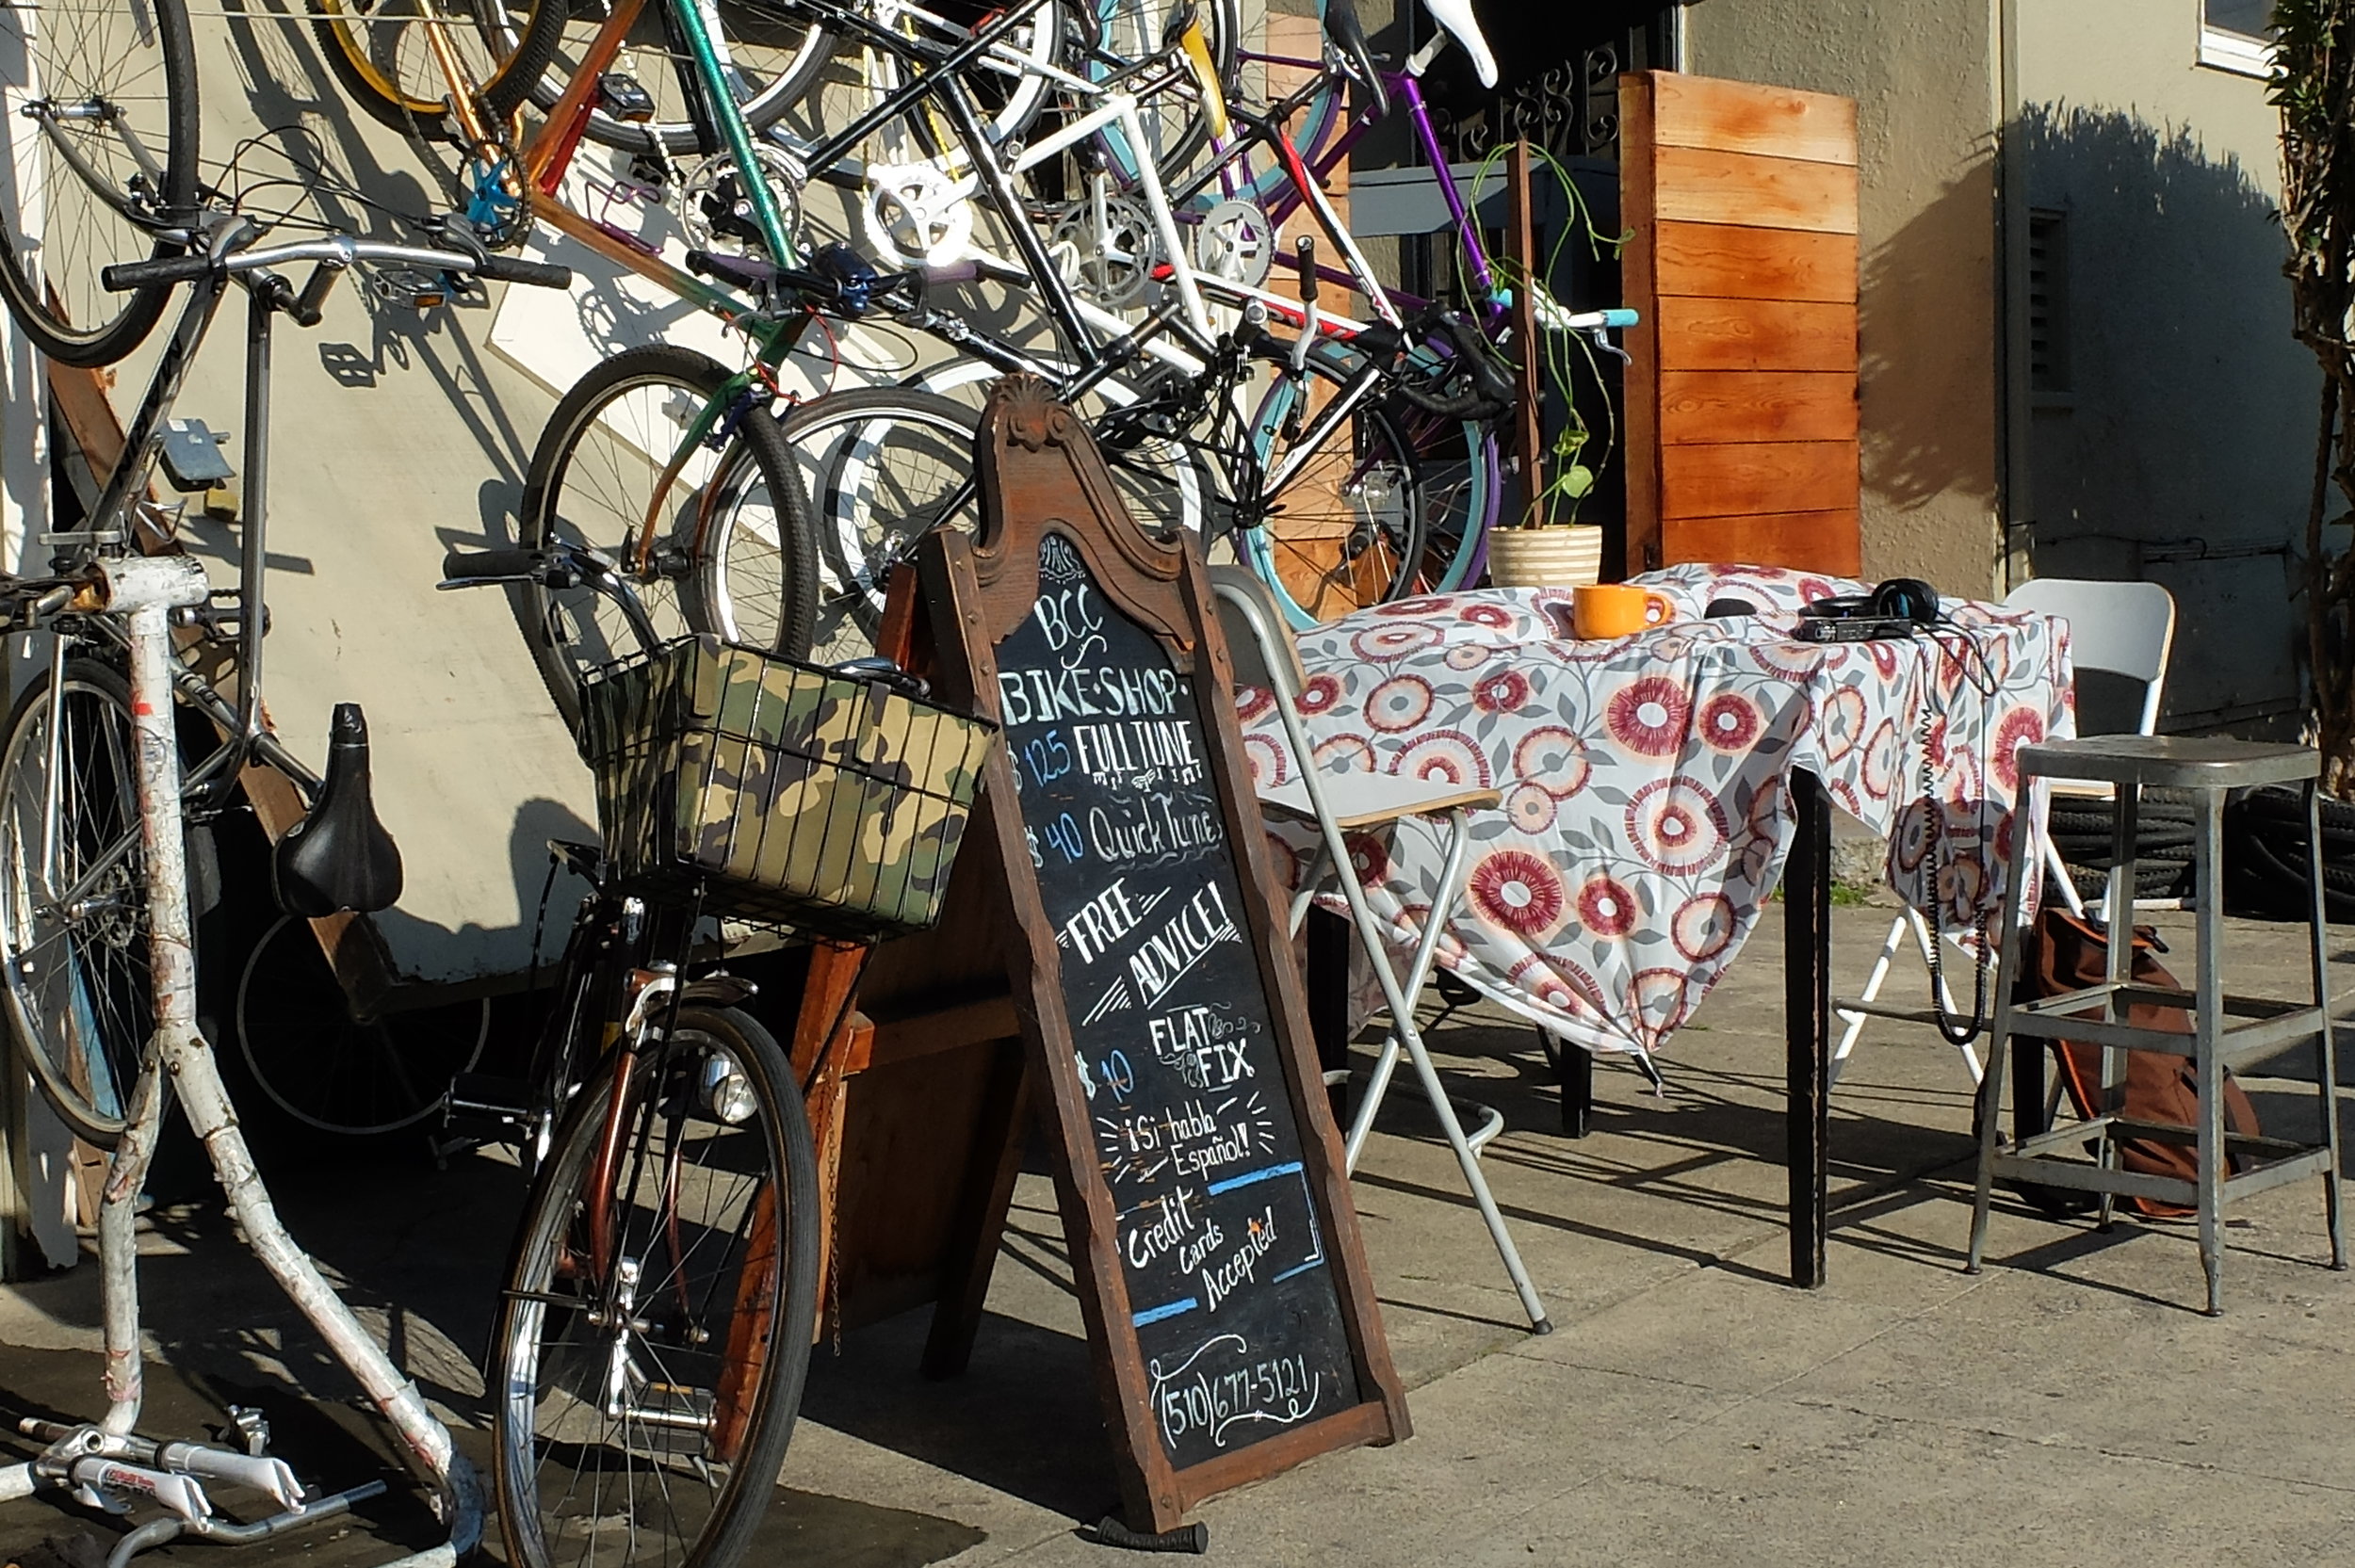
<point>1572,474</point>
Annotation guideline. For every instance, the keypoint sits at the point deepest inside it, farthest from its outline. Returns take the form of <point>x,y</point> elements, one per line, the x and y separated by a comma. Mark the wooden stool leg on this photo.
<point>2208,1003</point>
<point>2327,1050</point>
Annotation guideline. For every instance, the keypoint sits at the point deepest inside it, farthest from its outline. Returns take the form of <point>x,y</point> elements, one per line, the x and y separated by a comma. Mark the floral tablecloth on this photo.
<point>1646,809</point>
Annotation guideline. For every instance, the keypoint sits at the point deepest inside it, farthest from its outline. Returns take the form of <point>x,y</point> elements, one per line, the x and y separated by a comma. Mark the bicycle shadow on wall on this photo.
<point>299,116</point>
<point>537,821</point>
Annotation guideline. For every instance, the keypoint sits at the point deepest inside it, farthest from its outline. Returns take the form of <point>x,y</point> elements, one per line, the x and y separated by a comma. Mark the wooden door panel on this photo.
<point>1742,413</point>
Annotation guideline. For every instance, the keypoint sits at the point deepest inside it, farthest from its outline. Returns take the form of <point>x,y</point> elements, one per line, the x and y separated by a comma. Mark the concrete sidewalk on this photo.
<point>2071,1405</point>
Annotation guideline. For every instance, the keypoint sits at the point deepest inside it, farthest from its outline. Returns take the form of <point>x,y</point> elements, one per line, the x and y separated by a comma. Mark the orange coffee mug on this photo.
<point>1614,610</point>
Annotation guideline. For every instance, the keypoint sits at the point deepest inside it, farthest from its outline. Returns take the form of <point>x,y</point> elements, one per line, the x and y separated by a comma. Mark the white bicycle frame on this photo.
<point>143,591</point>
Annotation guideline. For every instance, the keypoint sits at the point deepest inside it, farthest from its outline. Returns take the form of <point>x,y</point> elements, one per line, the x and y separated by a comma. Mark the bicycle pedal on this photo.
<point>674,1419</point>
<point>488,1108</point>
<point>620,97</point>
<point>190,455</point>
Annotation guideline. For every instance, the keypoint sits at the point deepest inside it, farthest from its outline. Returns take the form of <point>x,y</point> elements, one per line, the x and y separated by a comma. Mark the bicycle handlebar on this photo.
<point>465,568</point>
<point>339,251</point>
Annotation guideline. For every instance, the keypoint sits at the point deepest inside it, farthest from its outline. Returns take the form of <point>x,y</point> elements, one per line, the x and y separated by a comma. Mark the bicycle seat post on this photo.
<point>262,305</point>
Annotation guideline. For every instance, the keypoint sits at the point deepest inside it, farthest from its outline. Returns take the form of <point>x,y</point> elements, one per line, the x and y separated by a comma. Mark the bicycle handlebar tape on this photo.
<point>489,566</point>
<point>122,277</point>
<point>1193,1538</point>
<point>514,270</point>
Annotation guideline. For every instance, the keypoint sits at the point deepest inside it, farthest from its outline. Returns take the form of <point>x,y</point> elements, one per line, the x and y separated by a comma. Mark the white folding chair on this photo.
<point>1261,646</point>
<point>2124,629</point>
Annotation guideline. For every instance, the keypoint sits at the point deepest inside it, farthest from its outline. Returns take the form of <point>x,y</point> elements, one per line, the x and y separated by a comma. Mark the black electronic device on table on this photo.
<point>1898,607</point>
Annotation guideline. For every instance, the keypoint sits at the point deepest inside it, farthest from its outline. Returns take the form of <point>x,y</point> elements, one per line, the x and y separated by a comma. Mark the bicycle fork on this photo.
<point>145,591</point>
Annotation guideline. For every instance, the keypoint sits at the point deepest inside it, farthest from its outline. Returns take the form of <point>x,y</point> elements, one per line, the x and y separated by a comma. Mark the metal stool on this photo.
<point>2229,1032</point>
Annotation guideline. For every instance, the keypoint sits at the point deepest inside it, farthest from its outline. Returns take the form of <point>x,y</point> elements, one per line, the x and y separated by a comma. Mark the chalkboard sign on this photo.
<point>1230,1295</point>
<point>1217,1256</point>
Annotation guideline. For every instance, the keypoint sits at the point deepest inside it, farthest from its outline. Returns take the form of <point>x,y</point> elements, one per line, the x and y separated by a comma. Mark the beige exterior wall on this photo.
<point>1925,77</point>
<point>2181,447</point>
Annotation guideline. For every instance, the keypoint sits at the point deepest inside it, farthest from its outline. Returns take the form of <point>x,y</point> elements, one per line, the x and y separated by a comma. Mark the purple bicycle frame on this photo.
<point>1405,87</point>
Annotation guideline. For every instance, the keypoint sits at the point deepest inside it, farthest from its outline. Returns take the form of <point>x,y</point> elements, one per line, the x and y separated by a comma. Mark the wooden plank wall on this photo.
<point>1740,402</point>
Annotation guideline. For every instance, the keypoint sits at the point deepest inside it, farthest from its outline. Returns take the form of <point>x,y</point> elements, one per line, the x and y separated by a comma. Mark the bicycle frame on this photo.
<point>145,592</point>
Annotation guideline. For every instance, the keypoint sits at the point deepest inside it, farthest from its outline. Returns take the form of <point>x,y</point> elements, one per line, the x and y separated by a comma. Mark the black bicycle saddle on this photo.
<point>339,856</point>
<point>1348,36</point>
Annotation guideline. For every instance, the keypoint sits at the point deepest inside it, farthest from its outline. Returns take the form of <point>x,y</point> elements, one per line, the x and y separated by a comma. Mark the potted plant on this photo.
<point>1548,547</point>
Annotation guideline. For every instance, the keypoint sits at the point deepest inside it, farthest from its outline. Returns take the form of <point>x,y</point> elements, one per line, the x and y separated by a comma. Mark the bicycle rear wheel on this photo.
<point>655,1330</point>
<point>332,1071</point>
<point>72,896</point>
<point>769,56</point>
<point>615,456</point>
<point>1174,121</point>
<point>108,107</point>
<point>883,467</point>
<point>1351,526</point>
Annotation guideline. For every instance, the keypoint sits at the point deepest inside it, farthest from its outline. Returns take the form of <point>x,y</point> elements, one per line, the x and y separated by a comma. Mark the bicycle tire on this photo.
<point>595,449</point>
<point>544,1433</point>
<point>78,992</point>
<point>97,204</point>
<point>371,51</point>
<point>786,71</point>
<point>1162,481</point>
<point>879,464</point>
<point>1320,575</point>
<point>335,1073</point>
<point>1311,128</point>
<point>1126,31</point>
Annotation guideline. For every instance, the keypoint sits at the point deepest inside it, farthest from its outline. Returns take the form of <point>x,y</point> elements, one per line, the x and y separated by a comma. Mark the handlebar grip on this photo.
<point>955,272</point>
<point>1306,247</point>
<point>122,277</point>
<point>1622,318</point>
<point>514,270</point>
<point>490,566</point>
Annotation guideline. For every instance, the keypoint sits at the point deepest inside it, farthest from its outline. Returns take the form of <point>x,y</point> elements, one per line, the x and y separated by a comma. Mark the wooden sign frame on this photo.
<point>1040,475</point>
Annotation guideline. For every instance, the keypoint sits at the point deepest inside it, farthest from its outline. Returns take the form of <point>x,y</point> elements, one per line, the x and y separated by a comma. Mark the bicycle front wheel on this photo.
<point>74,896</point>
<point>655,1331</point>
<point>630,465</point>
<point>382,52</point>
<point>105,124</point>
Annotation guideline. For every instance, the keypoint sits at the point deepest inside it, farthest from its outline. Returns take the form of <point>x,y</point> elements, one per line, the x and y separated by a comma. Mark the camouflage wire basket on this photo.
<point>778,791</point>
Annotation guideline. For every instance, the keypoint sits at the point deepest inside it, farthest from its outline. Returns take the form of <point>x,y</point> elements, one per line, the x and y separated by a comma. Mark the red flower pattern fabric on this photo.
<point>1645,812</point>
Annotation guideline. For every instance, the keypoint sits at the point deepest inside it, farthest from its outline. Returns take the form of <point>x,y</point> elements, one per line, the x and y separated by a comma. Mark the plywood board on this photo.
<point>1808,541</point>
<point>1743,117</point>
<point>1697,186</point>
<point>1725,261</point>
<point>1710,406</point>
<point>1754,334</point>
<point>1760,477</point>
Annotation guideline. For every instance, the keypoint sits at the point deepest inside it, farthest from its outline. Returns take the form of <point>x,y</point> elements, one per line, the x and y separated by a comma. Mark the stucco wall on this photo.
<point>2182,447</point>
<point>1925,75</point>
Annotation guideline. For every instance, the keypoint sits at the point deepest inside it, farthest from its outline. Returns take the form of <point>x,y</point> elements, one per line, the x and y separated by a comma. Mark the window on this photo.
<point>2048,306</point>
<point>2237,34</point>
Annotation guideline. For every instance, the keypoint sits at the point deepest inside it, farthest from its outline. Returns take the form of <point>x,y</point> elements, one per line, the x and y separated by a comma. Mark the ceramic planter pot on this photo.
<point>1559,556</point>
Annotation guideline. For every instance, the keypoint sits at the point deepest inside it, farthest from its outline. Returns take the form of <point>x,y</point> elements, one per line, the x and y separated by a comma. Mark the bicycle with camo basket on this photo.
<point>656,1318</point>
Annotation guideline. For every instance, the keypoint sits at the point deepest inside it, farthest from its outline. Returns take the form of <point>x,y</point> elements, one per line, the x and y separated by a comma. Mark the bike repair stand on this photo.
<point>102,1463</point>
